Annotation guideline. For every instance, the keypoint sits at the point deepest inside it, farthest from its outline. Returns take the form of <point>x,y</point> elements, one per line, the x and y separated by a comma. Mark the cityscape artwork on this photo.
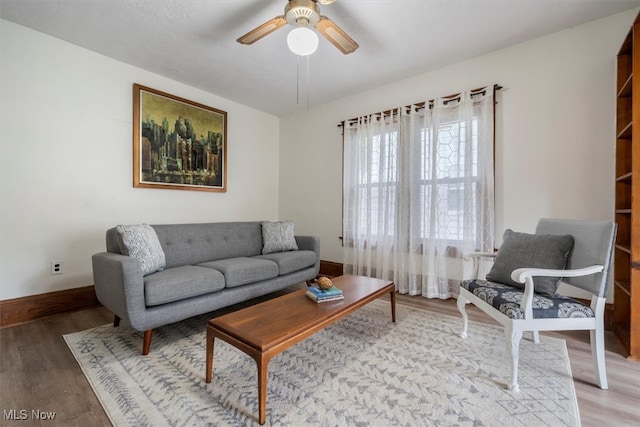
<point>178,144</point>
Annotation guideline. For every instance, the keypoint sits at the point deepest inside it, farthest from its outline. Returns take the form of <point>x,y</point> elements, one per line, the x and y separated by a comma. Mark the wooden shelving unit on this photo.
<point>626,322</point>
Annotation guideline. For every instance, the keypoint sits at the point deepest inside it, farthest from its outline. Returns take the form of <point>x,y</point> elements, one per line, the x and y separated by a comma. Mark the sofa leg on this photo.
<point>116,320</point>
<point>146,344</point>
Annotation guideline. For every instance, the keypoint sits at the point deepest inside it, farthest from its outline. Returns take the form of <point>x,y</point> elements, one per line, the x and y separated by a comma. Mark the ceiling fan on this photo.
<point>304,14</point>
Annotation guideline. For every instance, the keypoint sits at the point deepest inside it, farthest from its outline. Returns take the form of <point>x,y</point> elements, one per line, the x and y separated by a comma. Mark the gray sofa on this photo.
<point>207,267</point>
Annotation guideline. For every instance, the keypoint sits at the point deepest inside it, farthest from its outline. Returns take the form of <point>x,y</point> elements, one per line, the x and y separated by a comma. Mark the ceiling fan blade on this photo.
<point>263,30</point>
<point>336,35</point>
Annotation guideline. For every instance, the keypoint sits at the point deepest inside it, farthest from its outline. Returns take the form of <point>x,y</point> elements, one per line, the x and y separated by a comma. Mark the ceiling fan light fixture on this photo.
<point>302,40</point>
<point>305,16</point>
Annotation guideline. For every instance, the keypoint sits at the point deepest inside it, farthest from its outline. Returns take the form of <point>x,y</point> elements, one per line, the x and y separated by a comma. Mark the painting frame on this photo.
<point>178,144</point>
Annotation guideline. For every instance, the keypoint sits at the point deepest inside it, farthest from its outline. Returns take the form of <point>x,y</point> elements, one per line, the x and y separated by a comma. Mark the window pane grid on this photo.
<point>453,155</point>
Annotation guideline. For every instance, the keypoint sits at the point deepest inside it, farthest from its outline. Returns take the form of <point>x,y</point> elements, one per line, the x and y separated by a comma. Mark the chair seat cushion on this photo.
<point>506,299</point>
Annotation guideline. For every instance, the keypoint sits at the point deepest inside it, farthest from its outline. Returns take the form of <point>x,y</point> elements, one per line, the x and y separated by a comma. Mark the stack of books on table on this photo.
<point>318,295</point>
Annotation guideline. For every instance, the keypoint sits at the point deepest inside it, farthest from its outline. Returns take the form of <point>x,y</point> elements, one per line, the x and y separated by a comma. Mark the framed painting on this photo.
<point>177,144</point>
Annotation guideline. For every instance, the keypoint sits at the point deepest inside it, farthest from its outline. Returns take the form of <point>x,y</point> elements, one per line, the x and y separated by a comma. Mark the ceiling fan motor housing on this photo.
<point>306,10</point>
<point>304,15</point>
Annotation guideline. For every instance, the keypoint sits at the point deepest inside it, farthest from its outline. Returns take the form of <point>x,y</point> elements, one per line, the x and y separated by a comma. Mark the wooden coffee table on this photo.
<point>266,329</point>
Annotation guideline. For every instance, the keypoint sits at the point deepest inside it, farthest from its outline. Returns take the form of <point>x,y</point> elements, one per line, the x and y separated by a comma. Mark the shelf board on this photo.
<point>625,91</point>
<point>623,211</point>
<point>625,133</point>
<point>624,249</point>
<point>624,287</point>
<point>625,177</point>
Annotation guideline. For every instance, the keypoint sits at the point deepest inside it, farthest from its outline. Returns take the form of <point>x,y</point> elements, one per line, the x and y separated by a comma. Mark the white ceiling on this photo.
<point>193,41</point>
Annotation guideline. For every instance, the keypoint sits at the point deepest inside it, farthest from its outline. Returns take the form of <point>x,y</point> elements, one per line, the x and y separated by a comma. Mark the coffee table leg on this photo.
<point>262,389</point>
<point>210,339</point>
<point>392,295</point>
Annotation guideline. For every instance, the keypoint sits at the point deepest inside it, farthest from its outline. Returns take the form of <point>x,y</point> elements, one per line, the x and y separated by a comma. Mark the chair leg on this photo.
<point>116,320</point>
<point>462,302</point>
<point>146,344</point>
<point>513,337</point>
<point>535,335</point>
<point>597,354</point>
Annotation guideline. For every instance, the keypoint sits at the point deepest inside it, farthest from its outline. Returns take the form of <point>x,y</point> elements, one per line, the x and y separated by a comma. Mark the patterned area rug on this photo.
<point>363,370</point>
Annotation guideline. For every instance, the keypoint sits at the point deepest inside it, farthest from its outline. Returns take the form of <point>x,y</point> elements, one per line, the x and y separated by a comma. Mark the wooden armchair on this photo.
<point>535,260</point>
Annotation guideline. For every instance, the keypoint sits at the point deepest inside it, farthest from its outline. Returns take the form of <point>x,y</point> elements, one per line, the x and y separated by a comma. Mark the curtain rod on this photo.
<point>430,103</point>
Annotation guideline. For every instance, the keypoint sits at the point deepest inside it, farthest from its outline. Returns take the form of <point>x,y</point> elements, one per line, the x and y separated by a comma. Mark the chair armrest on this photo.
<point>475,258</point>
<point>474,255</point>
<point>520,274</point>
<point>526,275</point>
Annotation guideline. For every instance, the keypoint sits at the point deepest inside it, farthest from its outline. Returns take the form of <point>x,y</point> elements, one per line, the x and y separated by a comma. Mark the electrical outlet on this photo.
<point>56,267</point>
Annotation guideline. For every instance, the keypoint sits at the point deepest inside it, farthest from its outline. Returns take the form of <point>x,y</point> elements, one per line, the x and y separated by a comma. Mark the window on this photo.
<point>418,190</point>
<point>448,161</point>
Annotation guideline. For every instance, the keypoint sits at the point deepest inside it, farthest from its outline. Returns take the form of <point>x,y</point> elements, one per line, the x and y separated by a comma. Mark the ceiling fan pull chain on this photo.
<point>308,81</point>
<point>297,80</point>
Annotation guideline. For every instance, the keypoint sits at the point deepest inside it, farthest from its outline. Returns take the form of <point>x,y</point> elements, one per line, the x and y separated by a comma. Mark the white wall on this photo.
<point>555,145</point>
<point>66,147</point>
<point>67,168</point>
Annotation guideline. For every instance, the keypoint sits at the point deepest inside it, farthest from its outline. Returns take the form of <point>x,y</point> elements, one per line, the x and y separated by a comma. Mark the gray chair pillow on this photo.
<point>141,242</point>
<point>278,237</point>
<point>522,250</point>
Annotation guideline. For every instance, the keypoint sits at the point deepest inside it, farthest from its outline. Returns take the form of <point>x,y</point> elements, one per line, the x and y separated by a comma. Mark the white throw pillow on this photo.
<point>141,242</point>
<point>278,237</point>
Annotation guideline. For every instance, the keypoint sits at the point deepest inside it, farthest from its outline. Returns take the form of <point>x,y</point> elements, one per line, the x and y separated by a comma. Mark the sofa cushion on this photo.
<point>240,271</point>
<point>191,244</point>
<point>278,237</point>
<point>291,261</point>
<point>141,242</point>
<point>522,250</point>
<point>179,283</point>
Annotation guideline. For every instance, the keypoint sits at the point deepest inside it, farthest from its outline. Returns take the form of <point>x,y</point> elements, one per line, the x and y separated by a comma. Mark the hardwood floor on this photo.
<point>39,373</point>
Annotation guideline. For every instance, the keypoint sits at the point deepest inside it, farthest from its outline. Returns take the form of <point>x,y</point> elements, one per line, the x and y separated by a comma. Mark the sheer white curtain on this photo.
<point>418,192</point>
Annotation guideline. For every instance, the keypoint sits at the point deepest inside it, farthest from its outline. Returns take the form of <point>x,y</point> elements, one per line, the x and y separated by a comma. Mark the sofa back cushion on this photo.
<point>185,244</point>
